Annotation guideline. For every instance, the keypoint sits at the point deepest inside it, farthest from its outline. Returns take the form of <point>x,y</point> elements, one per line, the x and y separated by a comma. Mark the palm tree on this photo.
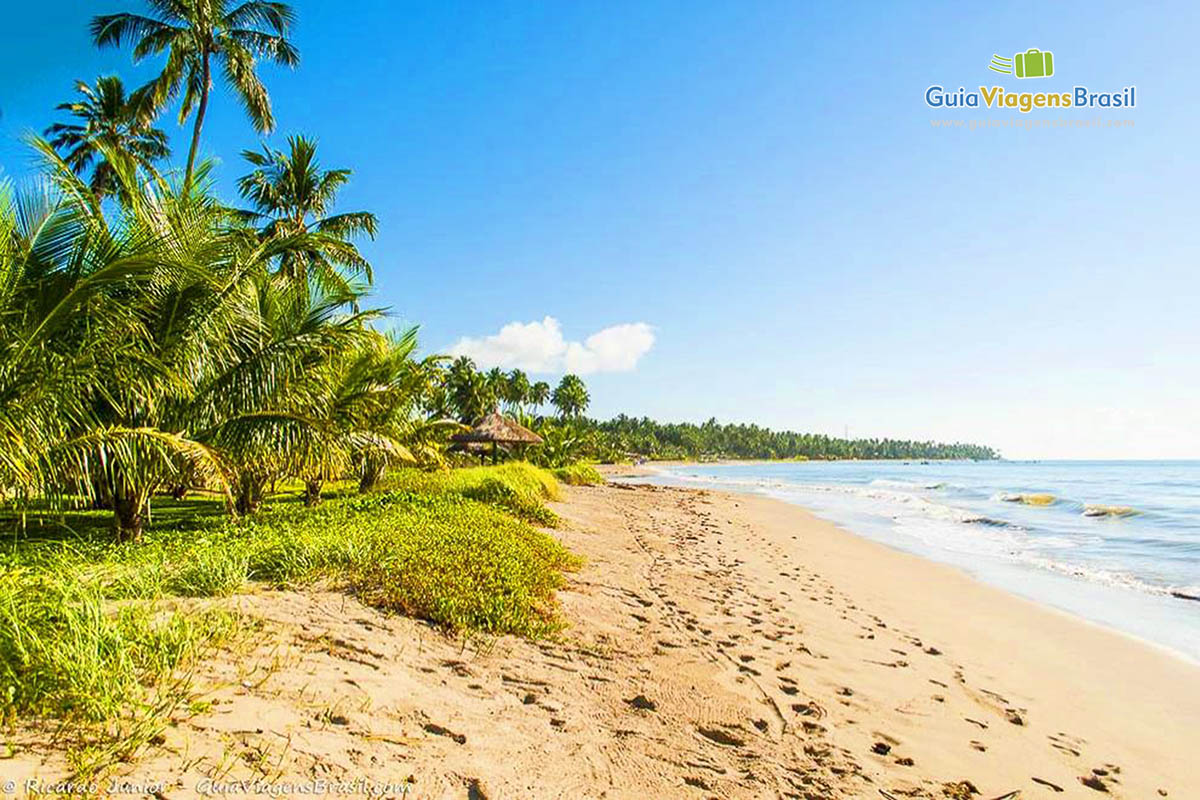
<point>372,408</point>
<point>539,393</point>
<point>469,391</point>
<point>209,364</point>
<point>79,391</point>
<point>517,390</point>
<point>497,384</point>
<point>561,445</point>
<point>294,195</point>
<point>435,400</point>
<point>110,127</point>
<point>263,402</point>
<point>571,397</point>
<point>195,34</point>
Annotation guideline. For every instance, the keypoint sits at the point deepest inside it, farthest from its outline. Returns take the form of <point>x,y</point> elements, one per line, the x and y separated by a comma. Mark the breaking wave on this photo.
<point>895,499</point>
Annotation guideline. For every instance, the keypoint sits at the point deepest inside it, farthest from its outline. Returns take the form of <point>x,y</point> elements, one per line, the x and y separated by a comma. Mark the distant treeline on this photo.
<point>686,440</point>
<point>462,391</point>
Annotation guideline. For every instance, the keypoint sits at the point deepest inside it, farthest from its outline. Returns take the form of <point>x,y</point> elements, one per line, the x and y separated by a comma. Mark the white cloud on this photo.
<point>540,347</point>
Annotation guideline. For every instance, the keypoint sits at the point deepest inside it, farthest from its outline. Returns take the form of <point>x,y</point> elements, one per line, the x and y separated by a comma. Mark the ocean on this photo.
<point>1113,542</point>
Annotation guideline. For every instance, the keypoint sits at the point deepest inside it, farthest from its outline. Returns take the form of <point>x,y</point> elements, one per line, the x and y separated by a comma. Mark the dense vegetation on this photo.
<point>195,376</point>
<point>155,338</point>
<point>94,632</point>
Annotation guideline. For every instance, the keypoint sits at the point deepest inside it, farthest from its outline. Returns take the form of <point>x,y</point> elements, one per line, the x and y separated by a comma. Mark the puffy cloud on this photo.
<point>541,347</point>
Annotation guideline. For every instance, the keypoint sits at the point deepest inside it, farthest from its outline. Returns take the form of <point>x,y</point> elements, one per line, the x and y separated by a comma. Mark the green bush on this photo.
<point>517,487</point>
<point>467,566</point>
<point>579,475</point>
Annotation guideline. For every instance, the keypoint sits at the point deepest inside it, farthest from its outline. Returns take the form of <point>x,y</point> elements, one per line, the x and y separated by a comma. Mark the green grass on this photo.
<point>97,632</point>
<point>579,475</point>
<point>108,674</point>
<point>67,652</point>
<point>517,487</point>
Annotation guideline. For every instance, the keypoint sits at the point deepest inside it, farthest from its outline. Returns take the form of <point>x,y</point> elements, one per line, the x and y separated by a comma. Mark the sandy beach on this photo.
<point>719,646</point>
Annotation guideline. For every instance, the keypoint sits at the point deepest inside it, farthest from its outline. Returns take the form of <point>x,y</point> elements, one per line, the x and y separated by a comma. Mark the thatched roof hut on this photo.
<point>496,429</point>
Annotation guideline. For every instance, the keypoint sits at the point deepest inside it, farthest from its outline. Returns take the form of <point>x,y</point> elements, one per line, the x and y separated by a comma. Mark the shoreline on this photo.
<point>1092,653</point>
<point>648,470</point>
<point>1123,610</point>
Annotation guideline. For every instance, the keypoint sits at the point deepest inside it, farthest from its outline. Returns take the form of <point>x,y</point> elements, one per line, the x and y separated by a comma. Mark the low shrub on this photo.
<point>467,566</point>
<point>579,475</point>
<point>517,487</point>
<point>459,562</point>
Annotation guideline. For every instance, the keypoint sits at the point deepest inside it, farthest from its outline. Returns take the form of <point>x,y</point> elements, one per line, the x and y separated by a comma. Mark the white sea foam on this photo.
<point>905,506</point>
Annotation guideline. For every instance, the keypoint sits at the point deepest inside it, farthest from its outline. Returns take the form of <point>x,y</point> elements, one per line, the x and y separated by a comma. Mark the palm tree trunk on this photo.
<point>312,492</point>
<point>199,123</point>
<point>249,493</point>
<point>129,517</point>
<point>372,473</point>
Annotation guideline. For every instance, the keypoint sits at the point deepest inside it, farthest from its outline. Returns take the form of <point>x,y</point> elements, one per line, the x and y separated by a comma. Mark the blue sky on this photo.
<point>760,184</point>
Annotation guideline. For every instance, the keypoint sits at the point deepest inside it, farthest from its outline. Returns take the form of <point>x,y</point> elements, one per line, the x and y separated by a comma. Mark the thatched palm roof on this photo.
<point>496,427</point>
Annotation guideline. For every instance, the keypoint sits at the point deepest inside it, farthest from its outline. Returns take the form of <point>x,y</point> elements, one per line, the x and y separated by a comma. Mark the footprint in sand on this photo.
<point>642,703</point>
<point>721,737</point>
<point>1042,782</point>
<point>438,730</point>
<point>1062,744</point>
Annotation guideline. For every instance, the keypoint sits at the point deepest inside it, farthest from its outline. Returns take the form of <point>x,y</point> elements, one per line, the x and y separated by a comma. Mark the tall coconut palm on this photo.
<point>292,195</point>
<point>497,385</point>
<point>109,126</point>
<point>436,401</point>
<point>517,390</point>
<point>539,394</point>
<point>571,397</point>
<point>200,37</point>
<point>469,391</point>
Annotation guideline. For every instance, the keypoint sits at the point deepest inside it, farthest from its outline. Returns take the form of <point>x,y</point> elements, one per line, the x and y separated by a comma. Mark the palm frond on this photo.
<point>238,69</point>
<point>114,30</point>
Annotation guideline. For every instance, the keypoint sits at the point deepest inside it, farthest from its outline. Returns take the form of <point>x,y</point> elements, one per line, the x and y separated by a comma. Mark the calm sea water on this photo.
<point>1115,542</point>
